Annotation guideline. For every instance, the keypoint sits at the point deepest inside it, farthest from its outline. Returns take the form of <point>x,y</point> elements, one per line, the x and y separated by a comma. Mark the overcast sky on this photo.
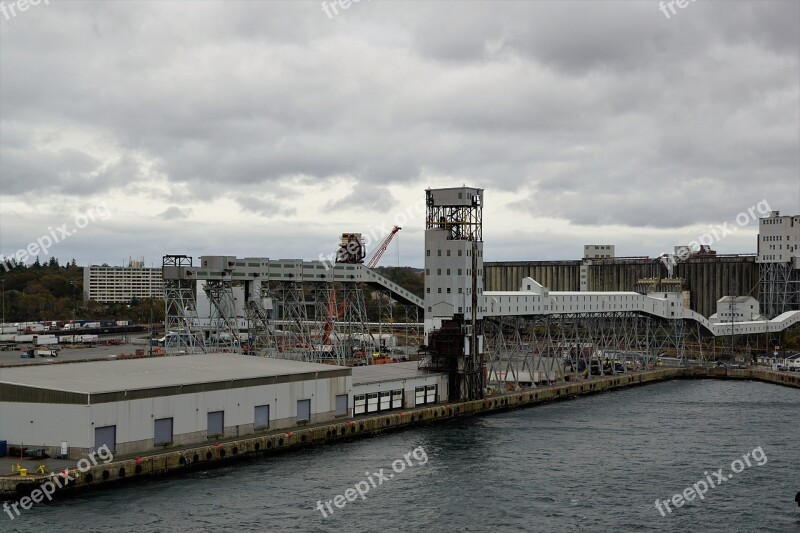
<point>266,128</point>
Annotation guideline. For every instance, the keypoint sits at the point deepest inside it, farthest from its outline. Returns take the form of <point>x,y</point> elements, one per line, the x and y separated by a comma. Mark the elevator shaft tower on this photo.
<point>454,287</point>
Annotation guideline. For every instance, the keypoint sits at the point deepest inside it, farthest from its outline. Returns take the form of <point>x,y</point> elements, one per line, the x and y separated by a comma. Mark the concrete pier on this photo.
<point>178,459</point>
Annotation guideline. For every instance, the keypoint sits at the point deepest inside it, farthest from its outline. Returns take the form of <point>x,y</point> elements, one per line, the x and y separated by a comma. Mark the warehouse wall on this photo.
<point>46,425</point>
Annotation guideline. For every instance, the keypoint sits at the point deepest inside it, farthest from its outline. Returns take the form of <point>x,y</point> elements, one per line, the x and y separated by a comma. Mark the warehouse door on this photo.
<point>162,431</point>
<point>303,410</point>
<point>216,420</point>
<point>261,418</point>
<point>105,436</point>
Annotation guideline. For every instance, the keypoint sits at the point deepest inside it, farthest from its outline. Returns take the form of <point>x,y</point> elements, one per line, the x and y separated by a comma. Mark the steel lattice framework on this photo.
<point>779,288</point>
<point>180,312</point>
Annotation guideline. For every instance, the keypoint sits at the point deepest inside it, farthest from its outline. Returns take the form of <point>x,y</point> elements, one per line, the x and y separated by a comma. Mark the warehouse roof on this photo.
<point>162,376</point>
<point>388,372</point>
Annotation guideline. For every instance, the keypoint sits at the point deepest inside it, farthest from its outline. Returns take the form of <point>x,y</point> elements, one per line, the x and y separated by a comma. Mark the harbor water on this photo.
<point>596,463</point>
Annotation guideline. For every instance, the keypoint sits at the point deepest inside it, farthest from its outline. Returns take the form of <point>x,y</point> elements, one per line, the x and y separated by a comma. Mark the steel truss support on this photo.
<point>261,338</point>
<point>779,289</point>
<point>223,331</point>
<point>294,339</point>
<point>526,351</point>
<point>181,324</point>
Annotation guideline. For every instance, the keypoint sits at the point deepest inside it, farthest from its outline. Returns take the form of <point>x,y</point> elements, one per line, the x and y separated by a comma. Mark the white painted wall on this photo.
<point>49,424</point>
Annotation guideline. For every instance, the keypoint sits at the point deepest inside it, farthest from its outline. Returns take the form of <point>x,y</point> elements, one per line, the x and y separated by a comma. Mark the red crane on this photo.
<point>382,248</point>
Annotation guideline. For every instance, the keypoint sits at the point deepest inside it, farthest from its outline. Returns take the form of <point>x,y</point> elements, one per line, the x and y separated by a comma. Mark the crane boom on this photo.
<point>382,248</point>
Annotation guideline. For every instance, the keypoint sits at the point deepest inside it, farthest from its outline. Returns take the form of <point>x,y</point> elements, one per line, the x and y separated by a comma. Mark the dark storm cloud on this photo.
<point>590,112</point>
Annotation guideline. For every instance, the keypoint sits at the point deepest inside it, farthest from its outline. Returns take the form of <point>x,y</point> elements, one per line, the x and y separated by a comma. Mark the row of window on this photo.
<point>439,290</point>
<point>376,402</point>
<point>447,272</point>
<point>439,253</point>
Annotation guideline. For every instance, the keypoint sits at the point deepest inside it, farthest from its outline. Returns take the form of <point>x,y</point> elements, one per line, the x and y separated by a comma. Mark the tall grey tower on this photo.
<point>779,261</point>
<point>454,287</point>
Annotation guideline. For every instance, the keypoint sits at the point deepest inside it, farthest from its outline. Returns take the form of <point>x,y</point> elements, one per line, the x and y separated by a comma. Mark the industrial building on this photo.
<point>107,284</point>
<point>380,388</point>
<point>136,405</point>
<point>706,278</point>
<point>702,277</point>
<point>779,261</point>
<point>140,405</point>
<point>598,251</point>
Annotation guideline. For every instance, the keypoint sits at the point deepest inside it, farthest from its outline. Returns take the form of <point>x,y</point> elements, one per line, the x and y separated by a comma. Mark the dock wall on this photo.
<point>13,487</point>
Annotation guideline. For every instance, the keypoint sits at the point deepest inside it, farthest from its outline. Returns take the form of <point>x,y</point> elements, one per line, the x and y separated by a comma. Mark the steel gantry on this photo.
<point>288,308</point>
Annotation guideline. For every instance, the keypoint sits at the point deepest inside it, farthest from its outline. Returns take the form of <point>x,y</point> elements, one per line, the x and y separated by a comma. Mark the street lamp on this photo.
<point>3,281</point>
<point>74,300</point>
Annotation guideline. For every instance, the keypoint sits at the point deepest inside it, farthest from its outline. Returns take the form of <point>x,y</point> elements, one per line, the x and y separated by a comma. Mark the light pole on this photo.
<point>74,300</point>
<point>3,281</point>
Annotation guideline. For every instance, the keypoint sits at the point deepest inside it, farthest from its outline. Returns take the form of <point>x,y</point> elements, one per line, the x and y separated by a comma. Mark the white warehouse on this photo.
<point>136,405</point>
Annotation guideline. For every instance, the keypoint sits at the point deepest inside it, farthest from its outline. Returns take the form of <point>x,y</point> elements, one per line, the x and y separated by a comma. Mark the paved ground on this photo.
<point>71,354</point>
<point>31,465</point>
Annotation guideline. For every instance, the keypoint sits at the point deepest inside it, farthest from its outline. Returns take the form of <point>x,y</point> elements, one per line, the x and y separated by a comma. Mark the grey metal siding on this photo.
<point>162,430</point>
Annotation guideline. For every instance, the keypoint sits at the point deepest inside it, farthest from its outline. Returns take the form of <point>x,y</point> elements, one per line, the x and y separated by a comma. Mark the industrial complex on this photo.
<point>257,345</point>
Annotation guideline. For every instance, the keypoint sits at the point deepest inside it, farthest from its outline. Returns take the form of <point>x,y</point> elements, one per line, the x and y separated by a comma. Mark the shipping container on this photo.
<point>90,325</point>
<point>45,340</point>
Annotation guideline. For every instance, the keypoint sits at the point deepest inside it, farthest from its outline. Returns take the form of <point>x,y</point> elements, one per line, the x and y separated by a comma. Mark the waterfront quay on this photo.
<point>179,459</point>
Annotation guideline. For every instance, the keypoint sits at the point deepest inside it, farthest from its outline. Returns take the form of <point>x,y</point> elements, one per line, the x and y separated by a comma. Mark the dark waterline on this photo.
<point>591,464</point>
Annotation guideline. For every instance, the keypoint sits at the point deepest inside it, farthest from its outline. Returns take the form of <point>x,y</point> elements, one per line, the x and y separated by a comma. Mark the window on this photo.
<point>428,253</point>
<point>439,253</point>
<point>448,271</point>
<point>397,399</point>
<point>372,402</point>
<point>448,253</point>
<point>448,290</point>
<point>439,290</point>
<point>419,396</point>
<point>428,290</point>
<point>261,417</point>
<point>359,404</point>
<point>303,410</point>
<point>386,400</point>
<point>460,290</point>
<point>425,395</point>
<point>438,271</point>
<point>459,253</point>
<point>162,431</point>
<point>430,393</point>
<point>215,423</point>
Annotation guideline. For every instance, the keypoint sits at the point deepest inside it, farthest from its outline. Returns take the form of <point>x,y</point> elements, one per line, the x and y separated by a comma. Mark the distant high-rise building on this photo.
<point>109,284</point>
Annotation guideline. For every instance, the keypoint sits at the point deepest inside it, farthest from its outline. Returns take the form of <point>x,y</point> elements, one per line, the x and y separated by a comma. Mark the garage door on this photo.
<point>105,436</point>
<point>216,420</point>
<point>303,410</point>
<point>162,431</point>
